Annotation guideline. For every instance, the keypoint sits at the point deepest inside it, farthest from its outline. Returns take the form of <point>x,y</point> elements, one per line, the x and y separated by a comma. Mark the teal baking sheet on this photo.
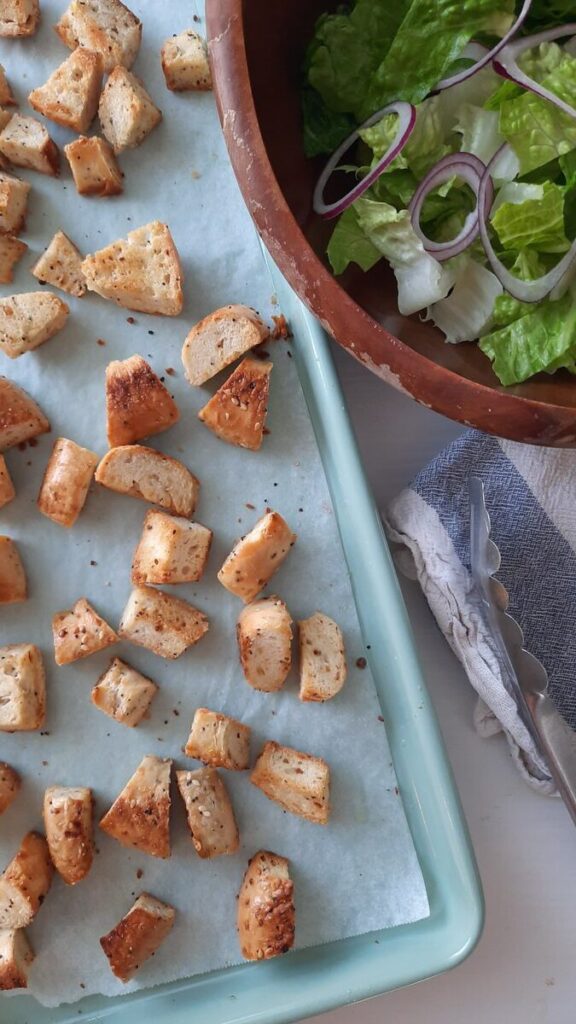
<point>320,978</point>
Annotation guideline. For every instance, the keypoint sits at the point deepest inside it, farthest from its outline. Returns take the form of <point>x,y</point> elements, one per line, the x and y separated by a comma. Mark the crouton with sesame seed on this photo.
<point>25,142</point>
<point>256,557</point>
<point>219,741</point>
<point>106,26</point>
<point>80,632</point>
<point>94,167</point>
<point>185,62</point>
<point>60,266</point>
<point>70,96</point>
<point>140,815</point>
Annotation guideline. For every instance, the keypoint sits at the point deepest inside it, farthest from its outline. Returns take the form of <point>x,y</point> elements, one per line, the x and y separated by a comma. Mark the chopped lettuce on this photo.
<point>542,340</point>
<point>427,144</point>
<point>537,221</point>
<point>349,244</point>
<point>467,311</point>
<point>479,131</point>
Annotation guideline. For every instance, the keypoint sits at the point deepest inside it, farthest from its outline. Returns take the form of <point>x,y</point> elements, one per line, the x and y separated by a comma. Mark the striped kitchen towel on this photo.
<point>531,498</point>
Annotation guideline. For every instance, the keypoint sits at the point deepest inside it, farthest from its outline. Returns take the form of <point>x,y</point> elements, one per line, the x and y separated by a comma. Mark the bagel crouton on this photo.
<point>13,203</point>
<point>266,913</point>
<point>298,782</point>
<point>219,339</point>
<point>68,812</point>
<point>237,412</point>
<point>22,688</point>
<point>80,632</point>
<point>322,658</point>
<point>7,491</point>
<point>151,476</point>
<point>25,882</point>
<point>171,550</point>
<point>138,935</point>
<point>25,142</point>
<point>13,588</point>
<point>141,272</point>
<point>166,625</point>
<point>108,27</point>
<point>11,250</point>
<point>20,418</point>
<point>219,741</point>
<point>10,783</point>
<point>19,17</point>
<point>6,94</point>
<point>185,62</point>
<point>123,693</point>
<point>70,96</point>
<point>94,168</point>
<point>15,957</point>
<point>126,112</point>
<point>209,811</point>
<point>256,557</point>
<point>137,403</point>
<point>66,481</point>
<point>59,265</point>
<point>264,634</point>
<point>140,815</point>
<point>28,320</point>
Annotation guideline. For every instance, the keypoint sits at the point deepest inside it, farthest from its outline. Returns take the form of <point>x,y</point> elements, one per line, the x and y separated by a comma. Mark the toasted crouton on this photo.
<point>137,403</point>
<point>60,265</point>
<point>94,168</point>
<point>166,625</point>
<point>170,550</point>
<point>126,112</point>
<point>19,17</point>
<point>266,914</point>
<point>20,418</point>
<point>13,203</point>
<point>6,94</point>
<point>68,823</point>
<point>237,412</point>
<point>123,693</point>
<point>26,143</point>
<point>322,658</point>
<point>298,782</point>
<point>70,96</point>
<point>256,557</point>
<point>141,272</point>
<point>12,576</point>
<point>10,783</point>
<point>11,250</point>
<point>28,320</point>
<point>7,491</point>
<point>25,882</point>
<point>138,935</point>
<point>15,957</point>
<point>264,633</point>
<point>140,815</point>
<point>185,62</point>
<point>66,481</point>
<point>209,811</point>
<point>80,632</point>
<point>108,27</point>
<point>219,339</point>
<point>219,741</point>
<point>150,475</point>
<point>22,688</point>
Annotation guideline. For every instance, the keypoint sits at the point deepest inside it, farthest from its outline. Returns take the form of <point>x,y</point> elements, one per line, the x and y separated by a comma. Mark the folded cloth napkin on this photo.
<point>531,497</point>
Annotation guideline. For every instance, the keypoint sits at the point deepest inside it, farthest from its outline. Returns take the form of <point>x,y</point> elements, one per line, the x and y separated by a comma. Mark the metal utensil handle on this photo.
<point>559,743</point>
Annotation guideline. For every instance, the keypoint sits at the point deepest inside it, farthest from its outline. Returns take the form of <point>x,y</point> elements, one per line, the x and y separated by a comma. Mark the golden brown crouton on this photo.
<point>140,815</point>
<point>256,557</point>
<point>70,96</point>
<point>322,658</point>
<point>126,112</point>
<point>11,250</point>
<point>298,782</point>
<point>19,17</point>
<point>185,62</point>
<point>141,272</point>
<point>6,94</point>
<point>150,475</point>
<point>166,625</point>
<point>107,26</point>
<point>138,935</point>
<point>94,167</point>
<point>137,403</point>
<point>20,418</point>
<point>28,320</point>
<point>25,882</point>
<point>266,914</point>
<point>13,203</point>
<point>7,491</point>
<point>219,339</point>
<point>170,550</point>
<point>209,811</point>
<point>68,812</point>
<point>22,688</point>
<point>237,412</point>
<point>15,958</point>
<point>66,481</point>
<point>264,633</point>
<point>26,143</point>
<point>12,576</point>
<point>10,783</point>
<point>219,741</point>
<point>123,693</point>
<point>80,632</point>
<point>60,265</point>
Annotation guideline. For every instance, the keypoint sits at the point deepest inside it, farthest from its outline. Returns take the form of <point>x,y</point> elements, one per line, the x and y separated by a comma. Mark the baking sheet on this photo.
<point>361,872</point>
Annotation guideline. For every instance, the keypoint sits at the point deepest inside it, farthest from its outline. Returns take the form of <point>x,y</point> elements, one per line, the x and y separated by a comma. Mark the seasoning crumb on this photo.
<point>281,327</point>
<point>150,332</point>
<point>266,431</point>
<point>100,341</point>
<point>396,791</point>
<point>250,505</point>
<point>289,354</point>
<point>176,712</point>
<point>170,371</point>
<point>92,562</point>
<point>380,718</point>
<point>195,18</point>
<point>360,662</point>
<point>139,873</point>
<point>33,442</point>
<point>45,763</point>
<point>82,985</point>
<point>196,175</point>
<point>130,320</point>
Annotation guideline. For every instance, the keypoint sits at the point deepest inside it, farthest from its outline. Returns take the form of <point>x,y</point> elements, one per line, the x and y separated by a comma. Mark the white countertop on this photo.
<point>523,970</point>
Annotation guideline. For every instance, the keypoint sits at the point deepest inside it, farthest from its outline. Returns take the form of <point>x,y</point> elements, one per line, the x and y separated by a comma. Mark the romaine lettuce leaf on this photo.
<point>466,312</point>
<point>479,131</point>
<point>323,129</point>
<point>544,339</point>
<point>349,244</point>
<point>536,129</point>
<point>537,222</point>
<point>429,142</point>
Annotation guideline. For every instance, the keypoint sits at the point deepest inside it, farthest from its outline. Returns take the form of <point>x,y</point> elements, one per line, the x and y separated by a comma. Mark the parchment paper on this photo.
<point>359,873</point>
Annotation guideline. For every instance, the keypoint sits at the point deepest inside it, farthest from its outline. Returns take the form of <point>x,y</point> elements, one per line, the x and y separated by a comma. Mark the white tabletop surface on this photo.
<point>524,969</point>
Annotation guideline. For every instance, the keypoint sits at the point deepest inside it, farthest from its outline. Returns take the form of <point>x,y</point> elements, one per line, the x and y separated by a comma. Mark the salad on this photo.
<point>452,124</point>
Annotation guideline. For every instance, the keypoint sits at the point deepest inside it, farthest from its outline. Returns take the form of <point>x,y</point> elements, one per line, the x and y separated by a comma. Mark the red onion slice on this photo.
<point>507,67</point>
<point>406,121</point>
<point>462,165</point>
<point>524,291</point>
<point>485,59</point>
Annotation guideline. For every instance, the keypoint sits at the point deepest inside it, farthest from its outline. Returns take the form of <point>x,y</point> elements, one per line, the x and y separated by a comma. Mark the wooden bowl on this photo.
<point>256,49</point>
